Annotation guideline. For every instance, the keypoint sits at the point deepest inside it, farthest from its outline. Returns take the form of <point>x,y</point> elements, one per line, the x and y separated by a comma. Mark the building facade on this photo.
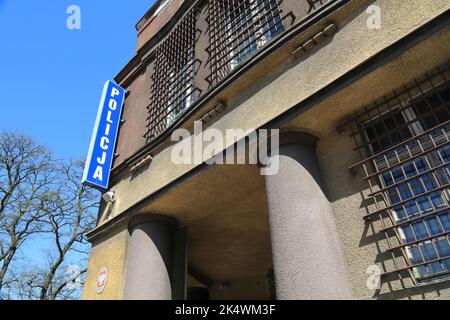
<point>357,95</point>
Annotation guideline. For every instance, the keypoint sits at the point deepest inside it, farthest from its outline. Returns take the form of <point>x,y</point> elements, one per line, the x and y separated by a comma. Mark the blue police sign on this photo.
<point>103,141</point>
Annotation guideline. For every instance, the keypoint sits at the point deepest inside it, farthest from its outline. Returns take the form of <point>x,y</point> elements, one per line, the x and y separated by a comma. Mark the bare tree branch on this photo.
<point>25,178</point>
<point>41,198</point>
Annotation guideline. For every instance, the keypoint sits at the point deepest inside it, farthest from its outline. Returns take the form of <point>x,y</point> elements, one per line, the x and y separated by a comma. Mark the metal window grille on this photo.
<point>314,4</point>
<point>405,141</point>
<point>237,30</point>
<point>173,88</point>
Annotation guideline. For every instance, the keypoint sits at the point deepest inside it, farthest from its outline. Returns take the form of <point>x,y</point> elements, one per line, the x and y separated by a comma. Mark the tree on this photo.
<point>70,215</point>
<point>26,179</point>
<point>43,202</point>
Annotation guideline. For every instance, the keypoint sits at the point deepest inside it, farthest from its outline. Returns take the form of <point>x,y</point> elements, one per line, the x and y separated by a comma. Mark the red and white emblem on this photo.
<point>102,279</point>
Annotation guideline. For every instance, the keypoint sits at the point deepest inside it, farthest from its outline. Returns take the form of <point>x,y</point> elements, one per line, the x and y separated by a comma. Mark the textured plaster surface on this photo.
<point>347,192</point>
<point>110,253</point>
<point>135,115</point>
<point>361,245</point>
<point>156,23</point>
<point>307,256</point>
<point>148,262</point>
<point>351,46</point>
<point>224,210</point>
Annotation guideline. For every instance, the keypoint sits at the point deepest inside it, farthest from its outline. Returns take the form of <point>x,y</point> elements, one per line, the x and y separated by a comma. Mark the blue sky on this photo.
<point>51,77</point>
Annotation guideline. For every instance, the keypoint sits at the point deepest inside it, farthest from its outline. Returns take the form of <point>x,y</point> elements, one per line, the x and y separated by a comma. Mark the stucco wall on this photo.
<point>135,116</point>
<point>361,245</point>
<point>268,98</point>
<point>110,253</point>
<point>351,46</point>
<point>156,23</point>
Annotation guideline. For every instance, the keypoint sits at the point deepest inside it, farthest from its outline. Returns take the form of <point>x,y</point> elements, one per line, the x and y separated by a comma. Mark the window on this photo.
<point>238,29</point>
<point>414,176</point>
<point>182,91</point>
<point>251,26</point>
<point>173,88</point>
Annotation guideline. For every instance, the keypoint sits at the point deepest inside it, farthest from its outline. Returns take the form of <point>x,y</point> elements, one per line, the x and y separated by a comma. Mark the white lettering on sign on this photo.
<point>105,141</point>
<point>98,174</point>
<point>101,149</point>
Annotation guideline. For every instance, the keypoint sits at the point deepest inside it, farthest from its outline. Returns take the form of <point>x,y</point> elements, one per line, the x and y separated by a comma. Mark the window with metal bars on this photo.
<point>314,4</point>
<point>237,30</point>
<point>173,88</point>
<point>407,139</point>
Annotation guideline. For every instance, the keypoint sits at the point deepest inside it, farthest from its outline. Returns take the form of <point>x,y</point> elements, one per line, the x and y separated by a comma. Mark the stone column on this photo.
<point>150,258</point>
<point>308,262</point>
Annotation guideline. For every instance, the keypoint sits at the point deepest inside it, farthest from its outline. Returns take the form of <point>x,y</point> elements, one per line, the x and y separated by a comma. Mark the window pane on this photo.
<point>415,174</point>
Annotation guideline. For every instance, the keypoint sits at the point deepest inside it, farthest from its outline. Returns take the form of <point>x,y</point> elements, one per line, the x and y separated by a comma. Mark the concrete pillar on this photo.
<point>308,262</point>
<point>150,258</point>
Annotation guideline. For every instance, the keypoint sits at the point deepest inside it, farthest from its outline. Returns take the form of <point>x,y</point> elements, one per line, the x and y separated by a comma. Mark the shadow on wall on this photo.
<point>416,292</point>
<point>395,285</point>
<point>270,74</point>
<point>349,192</point>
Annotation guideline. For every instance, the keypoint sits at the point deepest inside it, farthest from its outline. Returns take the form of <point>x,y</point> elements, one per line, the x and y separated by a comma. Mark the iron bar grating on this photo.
<point>173,80</point>
<point>405,142</point>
